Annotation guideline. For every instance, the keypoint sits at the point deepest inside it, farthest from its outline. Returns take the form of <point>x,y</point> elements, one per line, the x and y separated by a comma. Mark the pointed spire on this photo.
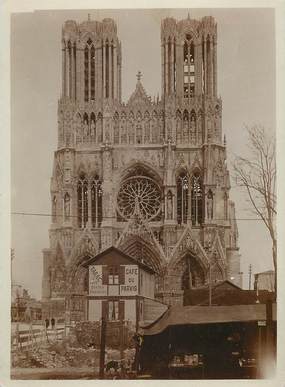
<point>139,76</point>
<point>188,17</point>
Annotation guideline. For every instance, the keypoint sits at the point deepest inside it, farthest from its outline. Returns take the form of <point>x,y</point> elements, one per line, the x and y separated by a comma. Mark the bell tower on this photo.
<point>189,57</point>
<point>91,61</point>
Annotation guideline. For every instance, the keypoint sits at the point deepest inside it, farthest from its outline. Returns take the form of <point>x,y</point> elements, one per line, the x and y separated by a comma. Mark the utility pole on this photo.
<point>210,285</point>
<point>102,348</point>
<point>249,276</point>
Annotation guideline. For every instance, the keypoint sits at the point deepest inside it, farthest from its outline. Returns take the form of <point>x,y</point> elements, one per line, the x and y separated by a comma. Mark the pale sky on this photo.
<point>246,83</point>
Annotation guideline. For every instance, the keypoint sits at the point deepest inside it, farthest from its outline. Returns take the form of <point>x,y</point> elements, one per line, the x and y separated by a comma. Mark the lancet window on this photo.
<point>196,199</point>
<point>139,134</point>
<point>82,201</point>
<point>182,198</point>
<point>189,67</point>
<point>96,202</point>
<point>89,201</point>
<point>89,71</point>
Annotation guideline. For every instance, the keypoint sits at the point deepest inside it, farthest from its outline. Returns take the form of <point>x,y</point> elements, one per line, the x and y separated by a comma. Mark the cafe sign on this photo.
<point>131,285</point>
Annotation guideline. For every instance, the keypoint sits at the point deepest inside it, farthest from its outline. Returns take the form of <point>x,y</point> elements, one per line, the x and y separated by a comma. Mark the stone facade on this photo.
<point>147,176</point>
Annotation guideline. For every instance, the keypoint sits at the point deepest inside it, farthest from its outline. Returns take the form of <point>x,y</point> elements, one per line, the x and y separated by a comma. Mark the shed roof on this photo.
<point>188,315</point>
<point>109,251</point>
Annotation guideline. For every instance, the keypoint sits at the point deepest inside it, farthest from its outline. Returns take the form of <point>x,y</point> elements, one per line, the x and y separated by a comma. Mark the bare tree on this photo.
<point>257,174</point>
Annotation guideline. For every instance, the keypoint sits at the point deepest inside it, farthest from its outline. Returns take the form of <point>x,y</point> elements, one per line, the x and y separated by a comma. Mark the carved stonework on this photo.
<point>164,152</point>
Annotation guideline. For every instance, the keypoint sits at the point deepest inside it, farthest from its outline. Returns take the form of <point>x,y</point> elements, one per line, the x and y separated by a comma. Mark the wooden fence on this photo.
<point>32,337</point>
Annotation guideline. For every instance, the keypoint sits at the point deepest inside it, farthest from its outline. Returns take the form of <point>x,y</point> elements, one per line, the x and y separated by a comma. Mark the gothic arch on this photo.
<point>142,167</point>
<point>193,274</point>
<point>76,277</point>
<point>189,267</point>
<point>86,247</point>
<point>196,167</point>
<point>144,252</point>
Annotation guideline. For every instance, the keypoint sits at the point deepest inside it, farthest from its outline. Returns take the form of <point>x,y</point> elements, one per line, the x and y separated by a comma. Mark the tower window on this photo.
<point>92,69</point>
<point>86,74</point>
<point>89,71</point>
<point>189,68</point>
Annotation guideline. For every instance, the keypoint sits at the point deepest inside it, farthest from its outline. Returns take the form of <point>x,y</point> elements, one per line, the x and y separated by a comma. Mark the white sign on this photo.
<point>96,288</point>
<point>261,323</point>
<point>131,285</point>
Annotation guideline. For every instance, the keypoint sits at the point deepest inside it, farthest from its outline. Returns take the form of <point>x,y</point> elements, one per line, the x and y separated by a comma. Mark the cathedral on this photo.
<point>147,176</point>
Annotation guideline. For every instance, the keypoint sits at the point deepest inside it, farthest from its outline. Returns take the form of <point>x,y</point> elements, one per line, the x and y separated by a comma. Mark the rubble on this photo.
<point>56,356</point>
<point>80,349</point>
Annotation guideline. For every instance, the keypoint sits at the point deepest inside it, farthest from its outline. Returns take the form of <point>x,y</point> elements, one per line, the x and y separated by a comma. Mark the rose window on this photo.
<point>145,192</point>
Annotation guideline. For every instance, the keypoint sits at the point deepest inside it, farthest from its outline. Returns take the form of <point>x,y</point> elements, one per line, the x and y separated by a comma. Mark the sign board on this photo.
<point>96,288</point>
<point>261,323</point>
<point>131,285</point>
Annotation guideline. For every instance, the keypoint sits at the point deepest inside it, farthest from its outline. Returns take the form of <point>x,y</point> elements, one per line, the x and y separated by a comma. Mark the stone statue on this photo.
<point>169,206</point>
<point>93,129</point>
<point>85,129</point>
<point>66,207</point>
<point>209,205</point>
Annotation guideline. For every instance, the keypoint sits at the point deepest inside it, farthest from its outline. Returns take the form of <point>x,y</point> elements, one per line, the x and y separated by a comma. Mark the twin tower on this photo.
<point>92,60</point>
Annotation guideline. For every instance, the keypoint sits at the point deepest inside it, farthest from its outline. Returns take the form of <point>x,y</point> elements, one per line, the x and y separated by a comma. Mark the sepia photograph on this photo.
<point>143,194</point>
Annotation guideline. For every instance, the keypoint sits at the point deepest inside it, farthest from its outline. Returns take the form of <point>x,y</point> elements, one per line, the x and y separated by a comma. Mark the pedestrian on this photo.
<point>52,323</point>
<point>47,323</point>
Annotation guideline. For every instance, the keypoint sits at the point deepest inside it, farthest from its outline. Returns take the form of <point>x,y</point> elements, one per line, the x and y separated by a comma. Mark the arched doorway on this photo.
<point>193,274</point>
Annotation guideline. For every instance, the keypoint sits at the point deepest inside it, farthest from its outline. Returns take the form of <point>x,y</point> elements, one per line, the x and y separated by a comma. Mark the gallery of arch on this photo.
<point>146,176</point>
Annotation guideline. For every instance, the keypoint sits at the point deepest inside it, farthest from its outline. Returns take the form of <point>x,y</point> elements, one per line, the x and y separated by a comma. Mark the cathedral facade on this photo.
<point>148,176</point>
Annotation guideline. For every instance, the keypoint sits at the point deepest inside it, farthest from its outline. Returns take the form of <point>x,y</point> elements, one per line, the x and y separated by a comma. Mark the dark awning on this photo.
<point>187,315</point>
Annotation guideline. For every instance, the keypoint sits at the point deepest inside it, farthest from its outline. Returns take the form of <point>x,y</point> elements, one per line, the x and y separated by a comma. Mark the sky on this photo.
<point>246,84</point>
